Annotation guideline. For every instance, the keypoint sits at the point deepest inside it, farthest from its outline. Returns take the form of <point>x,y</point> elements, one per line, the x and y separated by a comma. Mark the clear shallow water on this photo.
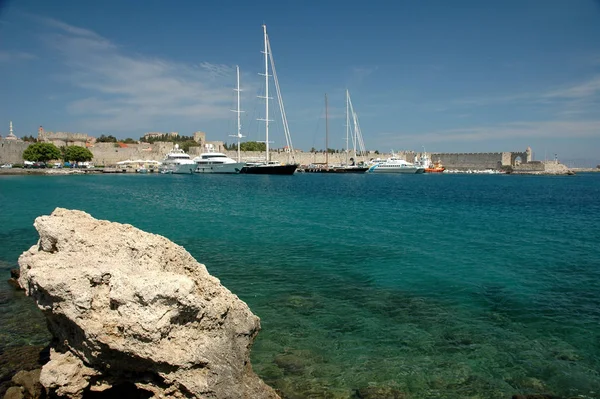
<point>446,286</point>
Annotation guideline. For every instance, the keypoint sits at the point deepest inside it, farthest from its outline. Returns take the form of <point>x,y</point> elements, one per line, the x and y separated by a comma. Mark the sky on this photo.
<point>447,76</point>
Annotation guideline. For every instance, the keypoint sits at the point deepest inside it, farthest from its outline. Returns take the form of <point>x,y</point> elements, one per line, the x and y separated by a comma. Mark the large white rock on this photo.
<point>124,305</point>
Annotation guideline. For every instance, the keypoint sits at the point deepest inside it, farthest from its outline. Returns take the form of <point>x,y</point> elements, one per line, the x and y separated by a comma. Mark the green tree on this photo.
<point>29,139</point>
<point>41,152</point>
<point>75,153</point>
<point>252,146</point>
<point>185,146</point>
<point>129,140</point>
<point>106,139</point>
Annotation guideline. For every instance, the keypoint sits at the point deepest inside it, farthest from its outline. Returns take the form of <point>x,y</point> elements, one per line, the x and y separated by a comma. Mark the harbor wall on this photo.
<point>474,161</point>
<point>11,151</point>
<point>109,154</point>
<point>303,158</point>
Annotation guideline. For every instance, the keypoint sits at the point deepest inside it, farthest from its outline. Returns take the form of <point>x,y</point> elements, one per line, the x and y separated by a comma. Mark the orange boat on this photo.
<point>435,168</point>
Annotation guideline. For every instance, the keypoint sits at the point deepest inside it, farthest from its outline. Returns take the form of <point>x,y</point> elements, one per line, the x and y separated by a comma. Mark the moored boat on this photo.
<point>395,165</point>
<point>177,161</point>
<point>269,167</point>
<point>216,162</point>
<point>437,167</point>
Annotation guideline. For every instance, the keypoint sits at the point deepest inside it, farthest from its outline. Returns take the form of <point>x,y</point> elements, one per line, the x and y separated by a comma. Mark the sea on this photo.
<point>379,286</point>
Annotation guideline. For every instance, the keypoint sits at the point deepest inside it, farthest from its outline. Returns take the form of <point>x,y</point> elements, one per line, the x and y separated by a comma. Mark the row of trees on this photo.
<point>113,139</point>
<point>44,152</point>
<point>185,142</point>
<point>168,138</point>
<point>247,146</point>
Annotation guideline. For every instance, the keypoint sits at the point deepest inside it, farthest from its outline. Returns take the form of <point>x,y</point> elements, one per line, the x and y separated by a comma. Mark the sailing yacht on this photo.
<point>346,168</point>
<point>269,167</point>
<point>177,161</point>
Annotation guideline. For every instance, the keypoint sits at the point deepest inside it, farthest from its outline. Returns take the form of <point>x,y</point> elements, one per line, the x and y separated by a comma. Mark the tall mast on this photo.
<point>238,111</point>
<point>326,135</point>
<point>266,93</point>
<point>347,126</point>
<point>239,125</point>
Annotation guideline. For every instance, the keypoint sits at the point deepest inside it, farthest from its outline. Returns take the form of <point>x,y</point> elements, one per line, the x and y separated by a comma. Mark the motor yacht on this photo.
<point>216,162</point>
<point>177,161</point>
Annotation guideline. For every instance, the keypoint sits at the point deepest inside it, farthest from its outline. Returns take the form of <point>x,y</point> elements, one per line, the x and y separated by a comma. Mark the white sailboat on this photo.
<point>269,167</point>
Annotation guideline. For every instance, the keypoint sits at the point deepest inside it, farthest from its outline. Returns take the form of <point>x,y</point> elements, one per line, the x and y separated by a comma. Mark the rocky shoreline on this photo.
<point>64,171</point>
<point>133,315</point>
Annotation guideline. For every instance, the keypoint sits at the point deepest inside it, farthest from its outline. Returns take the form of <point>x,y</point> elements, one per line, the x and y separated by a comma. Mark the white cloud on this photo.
<point>360,73</point>
<point>13,56</point>
<point>128,91</point>
<point>586,89</point>
<point>557,129</point>
<point>580,93</point>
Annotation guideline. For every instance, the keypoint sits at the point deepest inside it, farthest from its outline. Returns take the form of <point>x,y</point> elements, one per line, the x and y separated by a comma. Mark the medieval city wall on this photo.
<point>11,151</point>
<point>474,161</point>
<point>110,153</point>
<point>61,139</point>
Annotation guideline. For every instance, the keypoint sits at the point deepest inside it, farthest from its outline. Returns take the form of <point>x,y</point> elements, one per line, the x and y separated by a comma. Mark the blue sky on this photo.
<point>453,76</point>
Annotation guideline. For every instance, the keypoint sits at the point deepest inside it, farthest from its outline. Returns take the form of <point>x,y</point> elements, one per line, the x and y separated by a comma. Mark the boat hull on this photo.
<point>434,170</point>
<point>401,170</point>
<point>186,168</point>
<point>287,169</point>
<point>337,170</point>
<point>227,168</point>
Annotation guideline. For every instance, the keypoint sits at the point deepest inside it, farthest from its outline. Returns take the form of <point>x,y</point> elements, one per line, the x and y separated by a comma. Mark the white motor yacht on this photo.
<point>395,165</point>
<point>216,162</point>
<point>177,161</point>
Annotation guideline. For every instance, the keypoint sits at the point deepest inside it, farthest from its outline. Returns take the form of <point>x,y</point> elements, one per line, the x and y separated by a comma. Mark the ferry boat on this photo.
<point>177,161</point>
<point>395,165</point>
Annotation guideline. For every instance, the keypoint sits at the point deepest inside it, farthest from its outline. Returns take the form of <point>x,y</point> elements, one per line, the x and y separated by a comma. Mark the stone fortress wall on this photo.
<point>108,154</point>
<point>11,151</point>
<point>483,160</point>
<point>62,139</point>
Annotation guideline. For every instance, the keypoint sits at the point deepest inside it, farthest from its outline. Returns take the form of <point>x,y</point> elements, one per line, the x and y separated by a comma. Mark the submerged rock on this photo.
<point>126,307</point>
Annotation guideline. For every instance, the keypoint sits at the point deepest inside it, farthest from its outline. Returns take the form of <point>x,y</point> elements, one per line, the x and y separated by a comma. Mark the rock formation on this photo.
<point>126,307</point>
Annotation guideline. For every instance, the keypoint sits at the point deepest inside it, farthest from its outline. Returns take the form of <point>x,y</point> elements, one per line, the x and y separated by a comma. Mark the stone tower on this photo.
<point>529,153</point>
<point>11,135</point>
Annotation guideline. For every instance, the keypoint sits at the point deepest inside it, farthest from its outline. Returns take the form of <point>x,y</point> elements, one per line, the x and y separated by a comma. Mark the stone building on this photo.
<point>62,139</point>
<point>200,137</point>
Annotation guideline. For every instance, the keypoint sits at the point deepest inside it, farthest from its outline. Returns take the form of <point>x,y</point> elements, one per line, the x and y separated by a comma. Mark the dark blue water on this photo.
<point>448,286</point>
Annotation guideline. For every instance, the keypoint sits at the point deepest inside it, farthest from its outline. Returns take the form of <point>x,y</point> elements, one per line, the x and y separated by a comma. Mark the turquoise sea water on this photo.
<point>437,286</point>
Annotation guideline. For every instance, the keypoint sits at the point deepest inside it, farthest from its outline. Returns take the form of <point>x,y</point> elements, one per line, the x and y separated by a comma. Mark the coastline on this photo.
<point>22,171</point>
<point>96,171</point>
